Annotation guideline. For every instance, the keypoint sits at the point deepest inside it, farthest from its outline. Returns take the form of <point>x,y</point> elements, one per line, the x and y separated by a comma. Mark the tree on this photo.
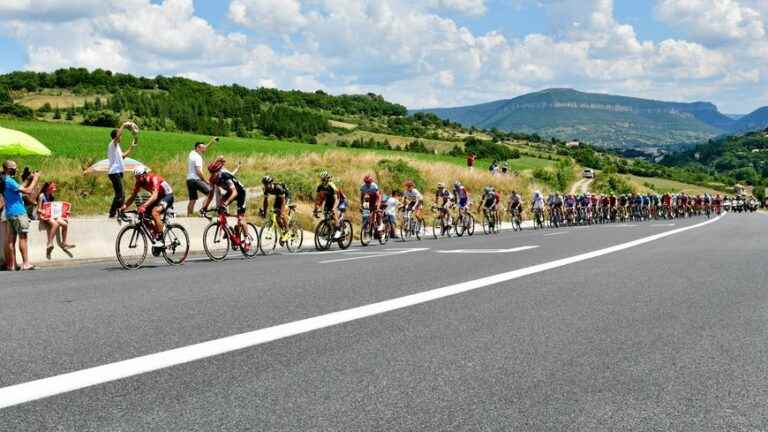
<point>5,95</point>
<point>57,114</point>
<point>71,113</point>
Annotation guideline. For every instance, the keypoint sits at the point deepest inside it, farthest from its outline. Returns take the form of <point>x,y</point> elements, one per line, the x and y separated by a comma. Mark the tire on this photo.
<point>417,229</point>
<point>437,228</point>
<point>176,244</point>
<point>347,235</point>
<point>460,226</point>
<point>213,240</point>
<point>487,227</point>
<point>295,238</point>
<point>249,241</point>
<point>323,235</point>
<point>137,241</point>
<point>383,235</point>
<point>405,231</point>
<point>469,226</point>
<point>365,233</point>
<point>268,239</point>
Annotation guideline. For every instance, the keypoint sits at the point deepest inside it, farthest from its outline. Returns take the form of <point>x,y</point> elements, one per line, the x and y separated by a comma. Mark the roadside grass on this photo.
<point>77,147</point>
<point>659,185</point>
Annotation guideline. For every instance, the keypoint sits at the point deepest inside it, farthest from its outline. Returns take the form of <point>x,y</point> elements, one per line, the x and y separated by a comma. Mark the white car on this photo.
<point>588,173</point>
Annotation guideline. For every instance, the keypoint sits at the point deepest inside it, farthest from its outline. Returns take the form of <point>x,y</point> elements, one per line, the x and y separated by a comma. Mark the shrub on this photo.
<point>101,118</point>
<point>16,110</point>
<point>391,174</point>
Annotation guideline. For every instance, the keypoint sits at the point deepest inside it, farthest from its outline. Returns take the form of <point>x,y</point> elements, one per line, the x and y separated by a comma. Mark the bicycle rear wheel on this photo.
<point>249,241</point>
<point>347,235</point>
<point>269,238</point>
<point>418,227</point>
<point>487,224</point>
<point>215,242</point>
<point>437,228</point>
<point>175,244</point>
<point>405,230</point>
<point>131,247</point>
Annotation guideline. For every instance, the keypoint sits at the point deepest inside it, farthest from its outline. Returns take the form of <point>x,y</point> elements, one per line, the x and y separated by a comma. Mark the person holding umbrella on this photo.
<point>116,157</point>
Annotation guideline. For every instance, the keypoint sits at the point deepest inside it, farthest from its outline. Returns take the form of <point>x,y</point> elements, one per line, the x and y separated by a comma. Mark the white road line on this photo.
<point>46,387</point>
<point>328,252</point>
<point>374,255</point>
<point>487,251</point>
<point>555,233</point>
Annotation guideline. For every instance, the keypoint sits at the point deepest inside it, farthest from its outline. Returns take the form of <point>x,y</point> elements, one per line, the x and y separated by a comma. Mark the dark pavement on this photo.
<point>668,335</point>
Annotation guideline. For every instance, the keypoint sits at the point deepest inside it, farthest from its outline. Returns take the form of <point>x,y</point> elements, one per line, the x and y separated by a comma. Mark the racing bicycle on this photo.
<point>219,237</point>
<point>133,240</point>
<point>272,235</point>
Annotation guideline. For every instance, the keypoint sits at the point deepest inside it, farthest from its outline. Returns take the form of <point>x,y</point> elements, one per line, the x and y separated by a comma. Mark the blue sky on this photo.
<point>422,53</point>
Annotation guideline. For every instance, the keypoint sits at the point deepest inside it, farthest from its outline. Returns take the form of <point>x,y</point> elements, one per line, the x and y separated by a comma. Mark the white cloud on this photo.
<point>282,16</point>
<point>714,21</point>
<point>409,50</point>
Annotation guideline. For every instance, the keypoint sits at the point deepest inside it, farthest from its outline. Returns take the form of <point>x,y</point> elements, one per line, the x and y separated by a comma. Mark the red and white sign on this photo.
<point>56,210</point>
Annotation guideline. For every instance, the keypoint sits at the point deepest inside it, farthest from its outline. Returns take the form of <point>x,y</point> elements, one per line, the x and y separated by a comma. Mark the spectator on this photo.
<point>471,158</point>
<point>116,155</point>
<point>16,215</point>
<point>505,168</point>
<point>52,222</point>
<point>195,176</point>
<point>3,225</point>
<point>494,168</point>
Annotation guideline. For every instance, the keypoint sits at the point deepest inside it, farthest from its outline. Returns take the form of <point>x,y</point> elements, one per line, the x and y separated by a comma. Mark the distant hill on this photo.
<point>757,120</point>
<point>601,119</point>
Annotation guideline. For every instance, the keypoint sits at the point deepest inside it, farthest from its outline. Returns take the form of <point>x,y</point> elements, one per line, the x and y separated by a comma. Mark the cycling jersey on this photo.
<point>370,189</point>
<point>280,192</point>
<point>490,200</point>
<point>443,197</point>
<point>152,183</point>
<point>413,195</point>
<point>225,180</point>
<point>462,197</point>
<point>570,202</point>
<point>538,202</point>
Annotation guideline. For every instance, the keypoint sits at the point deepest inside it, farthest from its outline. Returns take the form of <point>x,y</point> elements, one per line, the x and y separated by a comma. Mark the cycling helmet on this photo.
<point>140,171</point>
<point>266,180</point>
<point>409,183</point>
<point>325,175</point>
<point>441,185</point>
<point>368,179</point>
<point>216,165</point>
<point>488,189</point>
<point>457,184</point>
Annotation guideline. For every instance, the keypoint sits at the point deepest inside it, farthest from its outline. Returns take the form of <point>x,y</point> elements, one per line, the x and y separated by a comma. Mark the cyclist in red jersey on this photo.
<point>160,198</point>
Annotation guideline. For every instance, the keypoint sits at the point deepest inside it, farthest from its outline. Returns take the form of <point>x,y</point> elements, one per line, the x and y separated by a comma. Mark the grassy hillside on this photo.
<point>76,147</point>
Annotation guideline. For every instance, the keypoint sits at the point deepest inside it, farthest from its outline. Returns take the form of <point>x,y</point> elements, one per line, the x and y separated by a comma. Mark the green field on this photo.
<point>76,147</point>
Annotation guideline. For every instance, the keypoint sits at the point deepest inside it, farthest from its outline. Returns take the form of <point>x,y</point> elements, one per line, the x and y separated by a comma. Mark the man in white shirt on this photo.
<point>115,154</point>
<point>195,177</point>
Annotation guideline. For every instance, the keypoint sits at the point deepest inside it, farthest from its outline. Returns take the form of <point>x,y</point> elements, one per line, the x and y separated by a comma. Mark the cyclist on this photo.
<point>413,199</point>
<point>328,194</point>
<point>570,208</point>
<point>282,197</point>
<point>370,195</point>
<point>223,180</point>
<point>515,205</point>
<point>490,200</point>
<point>160,198</point>
<point>461,196</point>
<point>537,206</point>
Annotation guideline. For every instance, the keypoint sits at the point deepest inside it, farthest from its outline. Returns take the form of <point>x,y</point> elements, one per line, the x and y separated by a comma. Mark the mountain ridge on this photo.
<point>602,119</point>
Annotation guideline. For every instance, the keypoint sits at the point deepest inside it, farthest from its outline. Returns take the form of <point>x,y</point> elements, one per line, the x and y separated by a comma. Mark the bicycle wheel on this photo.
<point>346,235</point>
<point>366,233</point>
<point>249,241</point>
<point>215,242</point>
<point>487,224</point>
<point>469,224</point>
<point>323,235</point>
<point>175,244</point>
<point>131,247</point>
<point>269,238</point>
<point>383,235</point>
<point>405,230</point>
<point>417,228</point>
<point>437,228</point>
<point>459,227</point>
<point>295,238</point>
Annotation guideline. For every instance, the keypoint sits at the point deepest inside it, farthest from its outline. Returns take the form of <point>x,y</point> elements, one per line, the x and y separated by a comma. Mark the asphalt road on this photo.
<point>671,334</point>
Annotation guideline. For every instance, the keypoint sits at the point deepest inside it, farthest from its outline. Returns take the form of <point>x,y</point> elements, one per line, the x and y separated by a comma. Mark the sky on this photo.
<point>421,53</point>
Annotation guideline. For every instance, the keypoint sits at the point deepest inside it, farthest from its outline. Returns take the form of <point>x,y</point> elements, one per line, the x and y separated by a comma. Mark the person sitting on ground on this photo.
<point>52,223</point>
